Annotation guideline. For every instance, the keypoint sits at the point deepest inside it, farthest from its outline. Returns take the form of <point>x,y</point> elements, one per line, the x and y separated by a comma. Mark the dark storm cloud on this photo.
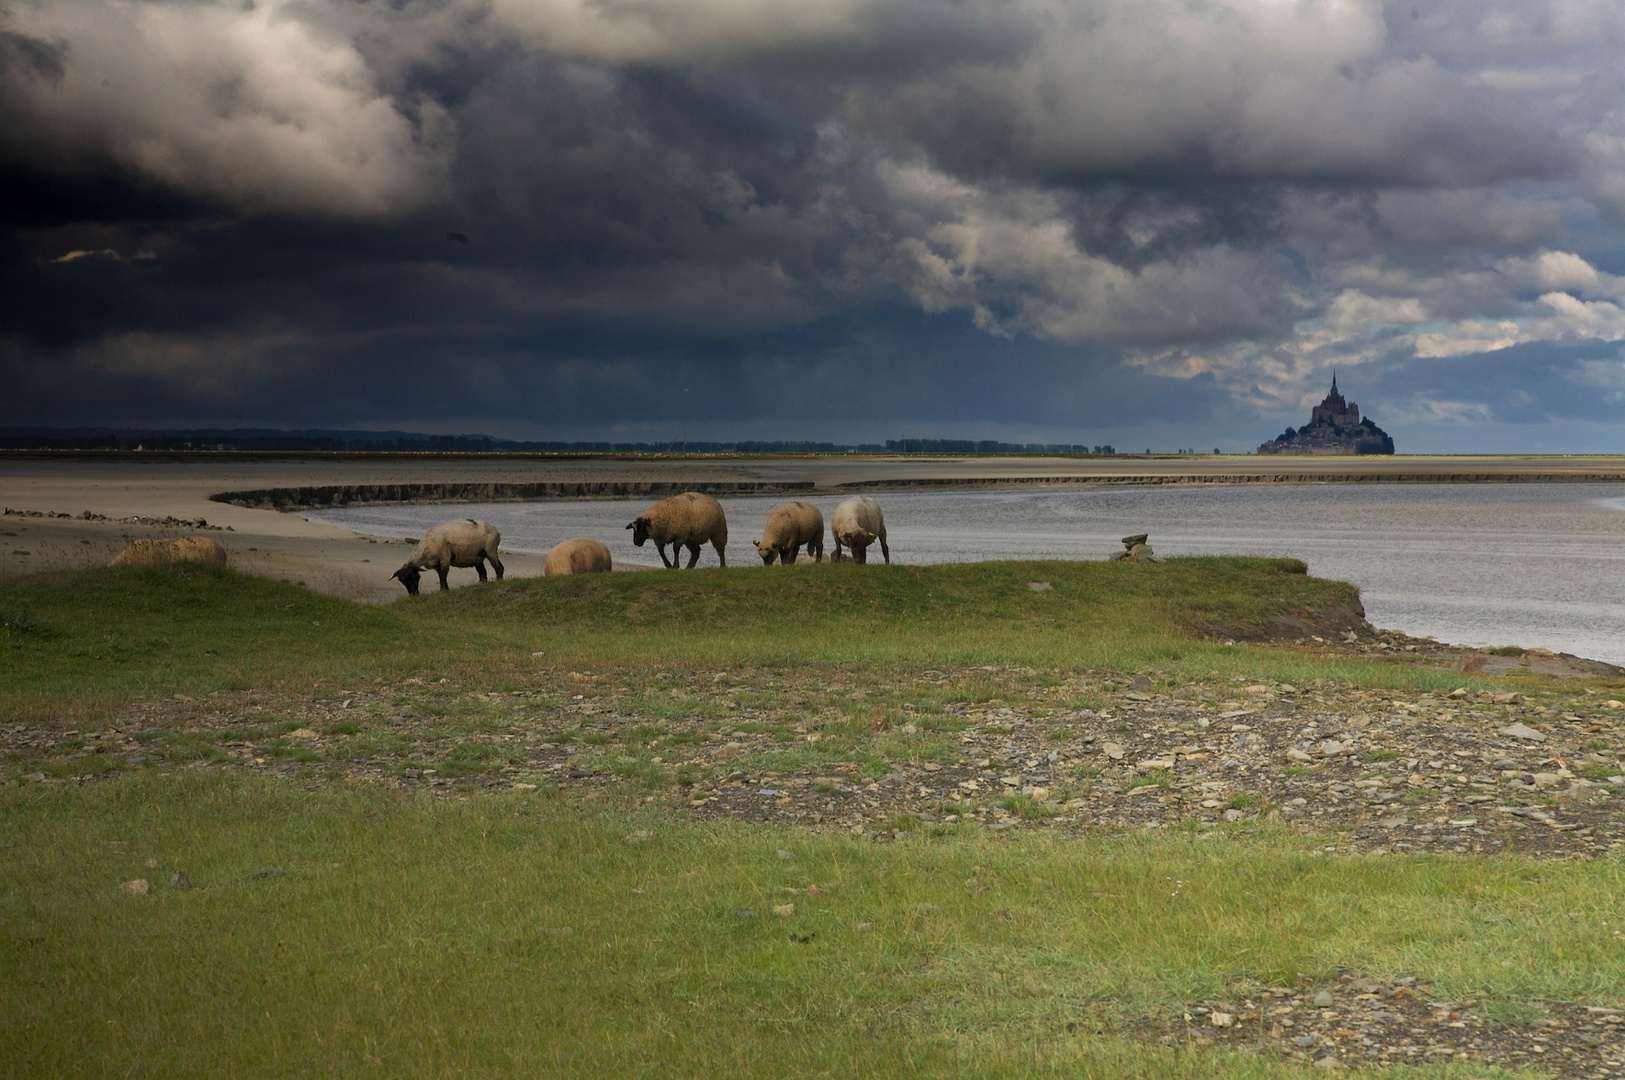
<point>735,214</point>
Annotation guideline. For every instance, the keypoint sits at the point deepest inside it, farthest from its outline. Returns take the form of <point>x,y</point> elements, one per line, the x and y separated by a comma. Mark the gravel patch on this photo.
<point>1360,1022</point>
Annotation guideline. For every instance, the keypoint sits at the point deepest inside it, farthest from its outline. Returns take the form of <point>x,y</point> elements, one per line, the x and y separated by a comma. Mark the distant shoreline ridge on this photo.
<point>335,495</point>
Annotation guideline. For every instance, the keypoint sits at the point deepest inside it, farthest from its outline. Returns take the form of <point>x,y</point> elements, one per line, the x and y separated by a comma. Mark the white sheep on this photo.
<point>686,520</point>
<point>583,555</point>
<point>201,549</point>
<point>788,527</point>
<point>857,523</point>
<point>462,542</point>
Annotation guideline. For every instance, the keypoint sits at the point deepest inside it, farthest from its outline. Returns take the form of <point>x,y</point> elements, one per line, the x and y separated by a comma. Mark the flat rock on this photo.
<point>1523,731</point>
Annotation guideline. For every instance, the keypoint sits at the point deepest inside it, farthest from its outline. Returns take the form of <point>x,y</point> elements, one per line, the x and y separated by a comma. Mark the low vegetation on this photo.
<point>363,932</point>
<point>169,918</point>
<point>80,644</point>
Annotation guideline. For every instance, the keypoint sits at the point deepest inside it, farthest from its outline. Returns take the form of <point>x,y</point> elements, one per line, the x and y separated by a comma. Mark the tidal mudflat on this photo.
<point>1532,565</point>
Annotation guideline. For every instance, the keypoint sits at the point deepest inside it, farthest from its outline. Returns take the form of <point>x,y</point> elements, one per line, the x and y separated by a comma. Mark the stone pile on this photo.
<point>1136,549</point>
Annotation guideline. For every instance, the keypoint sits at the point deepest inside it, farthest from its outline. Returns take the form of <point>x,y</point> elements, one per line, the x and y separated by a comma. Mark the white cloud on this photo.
<point>244,104</point>
<point>1011,258</point>
<point>79,253</point>
<point>629,31</point>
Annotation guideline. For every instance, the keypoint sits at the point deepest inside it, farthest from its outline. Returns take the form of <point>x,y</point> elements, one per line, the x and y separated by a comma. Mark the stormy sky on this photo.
<point>1155,223</point>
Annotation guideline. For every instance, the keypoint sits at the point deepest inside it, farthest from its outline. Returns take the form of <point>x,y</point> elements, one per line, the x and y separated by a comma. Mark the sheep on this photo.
<point>857,523</point>
<point>462,542</point>
<point>582,555</point>
<point>788,527</point>
<point>686,520</point>
<point>201,549</point>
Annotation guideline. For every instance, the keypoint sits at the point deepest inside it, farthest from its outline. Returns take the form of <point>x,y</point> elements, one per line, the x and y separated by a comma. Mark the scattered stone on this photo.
<point>1323,1000</point>
<point>139,886</point>
<point>1385,1023</point>
<point>784,911</point>
<point>522,787</point>
<point>1413,765</point>
<point>865,927</point>
<point>639,836</point>
<point>1523,731</point>
<point>180,882</point>
<point>1040,586</point>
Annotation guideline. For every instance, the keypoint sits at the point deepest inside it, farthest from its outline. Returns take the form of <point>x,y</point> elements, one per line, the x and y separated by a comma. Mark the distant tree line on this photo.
<point>314,440</point>
<point>988,446</point>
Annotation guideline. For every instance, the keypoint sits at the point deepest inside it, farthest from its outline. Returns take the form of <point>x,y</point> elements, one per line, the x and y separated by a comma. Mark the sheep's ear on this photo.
<point>633,525</point>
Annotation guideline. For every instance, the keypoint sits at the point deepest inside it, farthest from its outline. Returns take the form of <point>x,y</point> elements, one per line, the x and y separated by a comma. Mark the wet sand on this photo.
<point>136,493</point>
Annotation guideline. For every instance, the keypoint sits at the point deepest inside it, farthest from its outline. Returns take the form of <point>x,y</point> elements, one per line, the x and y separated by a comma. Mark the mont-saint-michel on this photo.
<point>1335,427</point>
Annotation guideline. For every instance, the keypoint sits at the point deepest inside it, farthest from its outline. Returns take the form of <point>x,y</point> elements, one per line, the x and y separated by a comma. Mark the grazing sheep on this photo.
<point>788,527</point>
<point>463,542</point>
<point>686,520</point>
<point>582,555</point>
<point>857,523</point>
<point>201,549</point>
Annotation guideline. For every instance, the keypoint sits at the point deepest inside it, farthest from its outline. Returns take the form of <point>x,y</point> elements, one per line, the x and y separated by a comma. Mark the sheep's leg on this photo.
<point>496,562</point>
<point>479,568</point>
<point>442,572</point>
<point>722,556</point>
<point>788,558</point>
<point>884,550</point>
<point>693,555</point>
<point>669,564</point>
<point>860,555</point>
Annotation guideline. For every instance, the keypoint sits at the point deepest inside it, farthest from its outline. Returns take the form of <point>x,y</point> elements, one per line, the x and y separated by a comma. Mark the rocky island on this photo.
<point>1335,427</point>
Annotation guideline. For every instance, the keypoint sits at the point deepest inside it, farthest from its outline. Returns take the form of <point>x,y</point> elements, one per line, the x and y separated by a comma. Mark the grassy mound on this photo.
<point>114,635</point>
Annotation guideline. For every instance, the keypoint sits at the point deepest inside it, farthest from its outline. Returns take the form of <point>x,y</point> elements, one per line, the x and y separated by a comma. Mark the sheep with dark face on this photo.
<point>686,520</point>
<point>788,527</point>
<point>857,523</point>
<point>583,555</point>
<point>463,542</point>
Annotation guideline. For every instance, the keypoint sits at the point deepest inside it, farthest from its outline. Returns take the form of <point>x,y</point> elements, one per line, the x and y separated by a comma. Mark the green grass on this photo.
<point>404,935</point>
<point>86,642</point>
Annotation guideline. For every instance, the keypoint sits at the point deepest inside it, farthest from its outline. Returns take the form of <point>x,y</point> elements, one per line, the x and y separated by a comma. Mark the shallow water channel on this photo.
<point>1538,565</point>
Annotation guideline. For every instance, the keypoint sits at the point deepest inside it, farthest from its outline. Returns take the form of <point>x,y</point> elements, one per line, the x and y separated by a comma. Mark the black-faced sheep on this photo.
<point>582,555</point>
<point>857,523</point>
<point>686,520</point>
<point>202,549</point>
<point>463,542</point>
<point>788,527</point>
